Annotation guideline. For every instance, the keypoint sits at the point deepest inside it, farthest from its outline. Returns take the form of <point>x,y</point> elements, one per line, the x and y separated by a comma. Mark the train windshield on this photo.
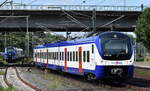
<point>116,48</point>
<point>10,49</point>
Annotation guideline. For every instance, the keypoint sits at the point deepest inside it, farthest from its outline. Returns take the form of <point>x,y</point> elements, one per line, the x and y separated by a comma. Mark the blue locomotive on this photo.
<point>12,54</point>
<point>109,55</point>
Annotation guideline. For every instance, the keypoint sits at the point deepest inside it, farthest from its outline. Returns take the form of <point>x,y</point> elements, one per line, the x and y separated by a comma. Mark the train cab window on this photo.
<point>76,56</point>
<point>88,56</point>
<point>84,56</point>
<point>92,48</point>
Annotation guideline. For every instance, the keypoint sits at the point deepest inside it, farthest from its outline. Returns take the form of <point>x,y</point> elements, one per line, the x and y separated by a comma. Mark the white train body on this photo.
<point>84,57</point>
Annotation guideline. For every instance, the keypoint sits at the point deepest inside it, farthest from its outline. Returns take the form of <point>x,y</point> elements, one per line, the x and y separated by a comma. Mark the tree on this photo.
<point>143,28</point>
<point>17,39</point>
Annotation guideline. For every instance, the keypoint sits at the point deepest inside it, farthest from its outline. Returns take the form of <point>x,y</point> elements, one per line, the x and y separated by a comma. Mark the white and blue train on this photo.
<point>12,54</point>
<point>108,55</point>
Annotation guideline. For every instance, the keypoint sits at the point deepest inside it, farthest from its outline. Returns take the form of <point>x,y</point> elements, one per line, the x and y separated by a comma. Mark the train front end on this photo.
<point>10,54</point>
<point>117,53</point>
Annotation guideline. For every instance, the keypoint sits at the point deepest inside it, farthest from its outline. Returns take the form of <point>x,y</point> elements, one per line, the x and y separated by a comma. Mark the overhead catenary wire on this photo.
<point>3,3</point>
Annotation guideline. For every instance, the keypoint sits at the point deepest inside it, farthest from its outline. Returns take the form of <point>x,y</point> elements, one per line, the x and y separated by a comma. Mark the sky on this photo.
<point>84,2</point>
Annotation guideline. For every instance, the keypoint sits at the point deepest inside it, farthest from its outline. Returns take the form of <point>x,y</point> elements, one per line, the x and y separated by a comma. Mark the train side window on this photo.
<point>76,56</point>
<point>57,55</point>
<point>70,56</point>
<point>50,55</point>
<point>92,48</point>
<point>88,56</point>
<point>62,56</point>
<point>73,56</point>
<point>43,55</point>
<point>84,56</point>
<point>38,55</point>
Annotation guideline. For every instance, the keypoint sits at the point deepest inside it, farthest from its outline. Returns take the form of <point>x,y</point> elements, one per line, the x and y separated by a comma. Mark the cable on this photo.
<point>3,3</point>
<point>102,1</point>
<point>31,2</point>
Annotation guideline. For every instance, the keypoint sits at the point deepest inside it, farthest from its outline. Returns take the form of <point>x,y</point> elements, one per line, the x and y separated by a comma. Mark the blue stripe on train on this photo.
<point>99,70</point>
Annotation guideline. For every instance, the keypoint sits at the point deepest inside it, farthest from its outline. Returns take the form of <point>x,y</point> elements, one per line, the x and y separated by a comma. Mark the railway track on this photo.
<point>79,81</point>
<point>12,79</point>
<point>96,86</point>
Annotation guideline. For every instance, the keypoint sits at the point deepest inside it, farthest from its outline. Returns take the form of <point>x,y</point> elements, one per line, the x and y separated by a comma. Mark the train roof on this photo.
<point>76,41</point>
<point>68,43</point>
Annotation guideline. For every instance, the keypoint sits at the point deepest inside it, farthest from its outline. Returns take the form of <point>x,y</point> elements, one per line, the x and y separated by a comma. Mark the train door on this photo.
<point>80,59</point>
<point>65,59</point>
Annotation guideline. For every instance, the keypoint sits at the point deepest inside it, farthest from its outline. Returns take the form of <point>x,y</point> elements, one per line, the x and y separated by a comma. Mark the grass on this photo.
<point>142,72</point>
<point>8,89</point>
<point>56,83</point>
<point>2,73</point>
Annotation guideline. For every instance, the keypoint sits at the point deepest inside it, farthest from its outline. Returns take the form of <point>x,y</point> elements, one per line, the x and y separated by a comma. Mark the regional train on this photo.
<point>12,54</point>
<point>109,55</point>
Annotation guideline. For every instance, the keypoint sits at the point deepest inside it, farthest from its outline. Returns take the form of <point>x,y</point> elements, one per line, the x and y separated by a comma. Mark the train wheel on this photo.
<point>90,77</point>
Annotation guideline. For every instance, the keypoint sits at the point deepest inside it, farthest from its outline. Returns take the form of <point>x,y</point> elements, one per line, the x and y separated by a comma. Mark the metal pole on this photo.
<point>5,43</point>
<point>124,4</point>
<point>27,37</point>
<point>94,20</point>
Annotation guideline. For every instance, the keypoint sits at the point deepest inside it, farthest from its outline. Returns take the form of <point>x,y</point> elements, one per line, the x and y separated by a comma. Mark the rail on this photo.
<point>71,7</point>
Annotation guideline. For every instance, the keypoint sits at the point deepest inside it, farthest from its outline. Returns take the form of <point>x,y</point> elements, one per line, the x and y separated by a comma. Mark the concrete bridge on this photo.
<point>68,18</point>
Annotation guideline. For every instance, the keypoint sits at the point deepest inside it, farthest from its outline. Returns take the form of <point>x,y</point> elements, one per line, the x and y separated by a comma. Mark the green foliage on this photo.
<point>139,59</point>
<point>18,39</point>
<point>8,89</point>
<point>143,28</point>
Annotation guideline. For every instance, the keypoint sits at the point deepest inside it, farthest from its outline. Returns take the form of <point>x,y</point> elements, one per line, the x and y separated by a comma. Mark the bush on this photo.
<point>139,59</point>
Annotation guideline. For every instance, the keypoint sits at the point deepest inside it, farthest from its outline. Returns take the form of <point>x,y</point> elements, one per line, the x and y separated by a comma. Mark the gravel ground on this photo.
<point>13,79</point>
<point>51,81</point>
<point>2,82</point>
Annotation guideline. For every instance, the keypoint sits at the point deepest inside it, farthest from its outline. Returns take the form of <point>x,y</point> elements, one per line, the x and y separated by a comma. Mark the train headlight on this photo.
<point>116,71</point>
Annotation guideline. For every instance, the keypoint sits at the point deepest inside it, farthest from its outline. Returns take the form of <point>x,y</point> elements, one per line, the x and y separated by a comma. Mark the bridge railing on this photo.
<point>71,7</point>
